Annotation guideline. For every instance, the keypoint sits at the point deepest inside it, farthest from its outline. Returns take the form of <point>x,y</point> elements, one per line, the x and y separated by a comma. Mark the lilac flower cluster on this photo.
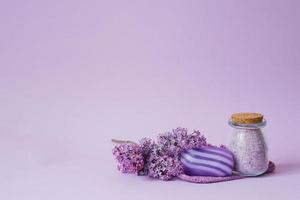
<point>163,165</point>
<point>129,156</point>
<point>160,159</point>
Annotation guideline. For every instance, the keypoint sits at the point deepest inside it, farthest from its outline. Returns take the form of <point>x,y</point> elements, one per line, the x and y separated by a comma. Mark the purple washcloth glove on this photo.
<point>211,179</point>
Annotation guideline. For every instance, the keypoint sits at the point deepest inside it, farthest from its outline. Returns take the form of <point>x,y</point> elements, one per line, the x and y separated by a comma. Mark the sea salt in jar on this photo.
<point>247,143</point>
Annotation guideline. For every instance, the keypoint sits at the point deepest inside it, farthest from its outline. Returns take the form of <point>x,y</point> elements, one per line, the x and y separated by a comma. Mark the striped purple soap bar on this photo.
<point>207,161</point>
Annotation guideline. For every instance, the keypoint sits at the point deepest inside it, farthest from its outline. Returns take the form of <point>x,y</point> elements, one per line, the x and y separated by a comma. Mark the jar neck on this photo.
<point>247,126</point>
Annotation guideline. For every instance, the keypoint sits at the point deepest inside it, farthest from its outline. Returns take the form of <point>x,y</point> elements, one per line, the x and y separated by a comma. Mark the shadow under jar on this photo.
<point>247,143</point>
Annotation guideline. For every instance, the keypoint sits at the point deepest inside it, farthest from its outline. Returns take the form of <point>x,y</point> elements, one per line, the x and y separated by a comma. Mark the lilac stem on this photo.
<point>122,141</point>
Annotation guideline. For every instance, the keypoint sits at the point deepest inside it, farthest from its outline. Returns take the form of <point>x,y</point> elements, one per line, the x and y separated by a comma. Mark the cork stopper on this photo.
<point>247,118</point>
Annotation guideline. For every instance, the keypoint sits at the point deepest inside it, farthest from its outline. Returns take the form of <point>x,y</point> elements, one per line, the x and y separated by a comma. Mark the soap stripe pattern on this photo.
<point>207,161</point>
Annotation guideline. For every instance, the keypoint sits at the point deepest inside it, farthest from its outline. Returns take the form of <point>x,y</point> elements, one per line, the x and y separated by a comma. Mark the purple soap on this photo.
<point>207,161</point>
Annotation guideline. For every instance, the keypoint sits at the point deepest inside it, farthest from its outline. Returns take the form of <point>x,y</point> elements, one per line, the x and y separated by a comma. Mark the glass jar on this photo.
<point>247,143</point>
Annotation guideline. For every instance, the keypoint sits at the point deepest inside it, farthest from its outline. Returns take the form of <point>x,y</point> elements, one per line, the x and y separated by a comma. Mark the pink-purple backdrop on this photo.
<point>74,74</point>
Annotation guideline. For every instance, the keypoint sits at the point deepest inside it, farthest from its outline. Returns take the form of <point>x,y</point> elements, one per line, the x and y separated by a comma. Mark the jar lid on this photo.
<point>247,118</point>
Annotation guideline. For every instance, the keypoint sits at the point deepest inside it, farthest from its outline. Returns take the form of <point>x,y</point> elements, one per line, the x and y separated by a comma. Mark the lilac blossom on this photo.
<point>160,159</point>
<point>129,156</point>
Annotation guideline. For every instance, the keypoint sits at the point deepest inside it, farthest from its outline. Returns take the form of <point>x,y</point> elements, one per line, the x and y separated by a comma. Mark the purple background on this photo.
<point>74,74</point>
